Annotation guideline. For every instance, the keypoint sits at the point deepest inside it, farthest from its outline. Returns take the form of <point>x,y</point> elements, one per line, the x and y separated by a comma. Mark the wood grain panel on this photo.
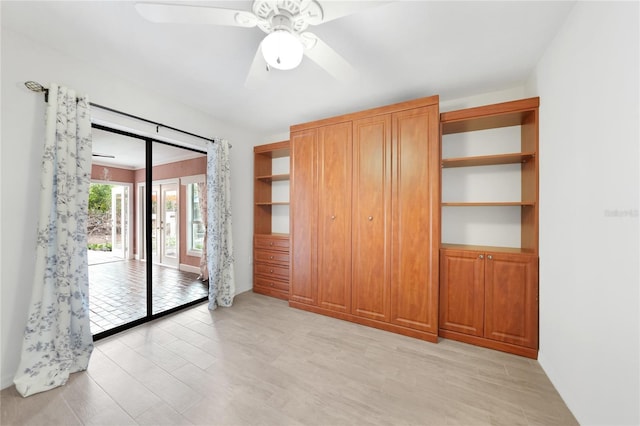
<point>272,257</point>
<point>511,299</point>
<point>371,208</point>
<point>272,242</point>
<point>271,271</point>
<point>503,114</point>
<point>462,291</point>
<point>334,217</point>
<point>271,287</point>
<point>261,193</point>
<point>415,231</point>
<point>529,141</point>
<point>303,285</point>
<point>369,113</point>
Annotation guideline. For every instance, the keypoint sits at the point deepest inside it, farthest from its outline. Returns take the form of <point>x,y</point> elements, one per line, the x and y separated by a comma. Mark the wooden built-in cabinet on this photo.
<point>364,217</point>
<point>488,292</point>
<point>270,249</point>
<point>334,217</point>
<point>321,190</point>
<point>490,298</point>
<point>371,278</point>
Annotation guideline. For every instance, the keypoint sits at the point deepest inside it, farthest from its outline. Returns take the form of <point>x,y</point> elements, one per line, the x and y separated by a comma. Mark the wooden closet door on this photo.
<point>334,217</point>
<point>371,207</point>
<point>462,291</point>
<point>303,208</point>
<point>415,219</point>
<point>511,298</point>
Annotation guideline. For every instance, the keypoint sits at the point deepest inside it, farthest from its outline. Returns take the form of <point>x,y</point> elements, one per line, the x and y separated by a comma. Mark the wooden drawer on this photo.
<point>262,282</point>
<point>272,242</point>
<point>272,271</point>
<point>275,257</point>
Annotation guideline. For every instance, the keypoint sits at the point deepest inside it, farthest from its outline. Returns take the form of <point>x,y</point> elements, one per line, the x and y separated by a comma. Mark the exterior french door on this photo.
<point>164,224</point>
<point>120,221</point>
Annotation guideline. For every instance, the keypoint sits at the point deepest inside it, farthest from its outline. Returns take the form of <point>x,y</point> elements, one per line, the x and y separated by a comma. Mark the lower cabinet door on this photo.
<point>511,299</point>
<point>462,292</point>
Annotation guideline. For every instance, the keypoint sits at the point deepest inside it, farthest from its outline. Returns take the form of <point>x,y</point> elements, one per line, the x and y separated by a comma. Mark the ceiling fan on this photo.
<point>284,21</point>
<point>103,155</point>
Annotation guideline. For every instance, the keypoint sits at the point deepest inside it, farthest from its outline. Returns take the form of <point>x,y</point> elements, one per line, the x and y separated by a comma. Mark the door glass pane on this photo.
<point>176,268</point>
<point>120,236</point>
<point>170,225</point>
<point>117,275</point>
<point>154,224</point>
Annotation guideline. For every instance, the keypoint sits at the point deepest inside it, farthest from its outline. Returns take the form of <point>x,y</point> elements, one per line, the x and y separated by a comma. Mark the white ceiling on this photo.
<point>401,49</point>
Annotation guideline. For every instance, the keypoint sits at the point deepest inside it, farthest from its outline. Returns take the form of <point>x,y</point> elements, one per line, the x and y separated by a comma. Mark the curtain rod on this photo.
<point>39,88</point>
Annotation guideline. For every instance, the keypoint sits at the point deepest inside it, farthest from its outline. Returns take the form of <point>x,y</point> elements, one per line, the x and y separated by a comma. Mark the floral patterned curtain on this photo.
<point>57,338</point>
<point>219,240</point>
<point>202,193</point>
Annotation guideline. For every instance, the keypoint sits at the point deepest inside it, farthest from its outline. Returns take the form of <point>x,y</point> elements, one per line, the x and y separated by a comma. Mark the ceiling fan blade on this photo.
<point>103,155</point>
<point>188,14</point>
<point>327,58</point>
<point>337,9</point>
<point>258,71</point>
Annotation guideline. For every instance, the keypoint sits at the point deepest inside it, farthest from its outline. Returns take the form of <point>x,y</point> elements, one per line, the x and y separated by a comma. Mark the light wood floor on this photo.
<point>261,362</point>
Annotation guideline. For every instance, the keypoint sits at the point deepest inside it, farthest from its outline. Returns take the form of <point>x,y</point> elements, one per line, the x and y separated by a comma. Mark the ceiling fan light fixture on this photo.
<point>282,50</point>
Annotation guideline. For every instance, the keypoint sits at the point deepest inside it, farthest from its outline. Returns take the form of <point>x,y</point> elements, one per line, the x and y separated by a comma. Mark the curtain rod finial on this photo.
<point>34,86</point>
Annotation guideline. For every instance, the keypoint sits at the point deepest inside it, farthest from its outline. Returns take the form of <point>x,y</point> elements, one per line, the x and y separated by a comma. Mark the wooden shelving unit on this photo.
<point>489,160</point>
<point>522,113</point>
<point>273,178</point>
<point>488,293</point>
<point>263,178</point>
<point>273,203</point>
<point>478,248</point>
<point>270,249</point>
<point>488,204</point>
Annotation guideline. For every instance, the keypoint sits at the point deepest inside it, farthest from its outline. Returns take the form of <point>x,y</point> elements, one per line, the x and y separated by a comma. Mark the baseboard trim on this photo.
<point>6,382</point>
<point>490,344</point>
<point>189,268</point>
<point>422,335</point>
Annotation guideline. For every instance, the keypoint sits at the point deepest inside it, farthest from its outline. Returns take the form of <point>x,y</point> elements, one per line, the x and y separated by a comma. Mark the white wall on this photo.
<point>22,138</point>
<point>589,146</point>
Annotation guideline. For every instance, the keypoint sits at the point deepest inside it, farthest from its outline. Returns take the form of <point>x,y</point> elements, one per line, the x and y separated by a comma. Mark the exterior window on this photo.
<point>195,226</point>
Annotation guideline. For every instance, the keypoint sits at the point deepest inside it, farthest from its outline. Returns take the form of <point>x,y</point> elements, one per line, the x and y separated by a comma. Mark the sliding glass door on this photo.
<point>145,267</point>
<point>176,268</point>
<point>117,277</point>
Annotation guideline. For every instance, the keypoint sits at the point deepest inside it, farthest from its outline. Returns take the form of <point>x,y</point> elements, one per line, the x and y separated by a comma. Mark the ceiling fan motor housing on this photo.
<point>288,15</point>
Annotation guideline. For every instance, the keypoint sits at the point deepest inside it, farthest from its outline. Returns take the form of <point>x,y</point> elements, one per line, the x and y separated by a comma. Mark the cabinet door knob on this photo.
<point>271,243</point>
<point>370,218</point>
<point>270,257</point>
<point>271,271</point>
<point>481,257</point>
<point>489,257</point>
<point>333,217</point>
